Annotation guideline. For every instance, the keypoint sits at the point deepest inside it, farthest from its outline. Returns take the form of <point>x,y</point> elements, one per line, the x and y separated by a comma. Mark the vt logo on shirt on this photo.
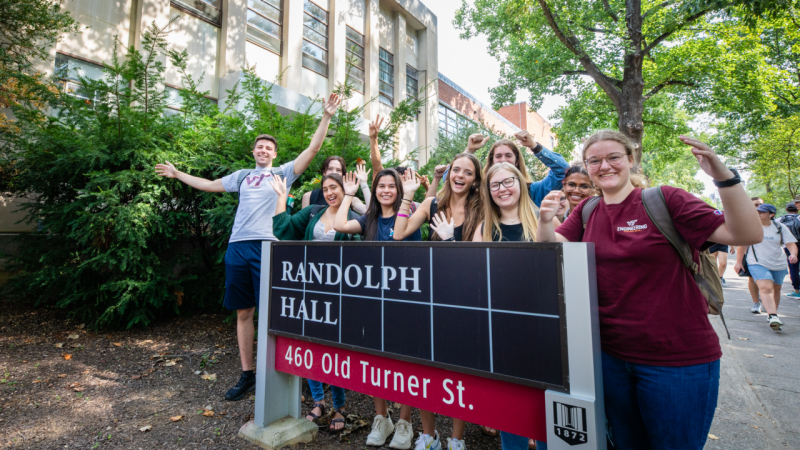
<point>632,227</point>
<point>255,180</point>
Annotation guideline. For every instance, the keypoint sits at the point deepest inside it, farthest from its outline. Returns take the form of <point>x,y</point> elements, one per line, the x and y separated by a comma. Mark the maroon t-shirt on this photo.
<point>651,310</point>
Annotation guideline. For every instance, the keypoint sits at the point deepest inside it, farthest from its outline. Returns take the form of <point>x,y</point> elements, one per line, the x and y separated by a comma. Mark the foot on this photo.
<point>491,432</point>
<point>724,284</point>
<point>246,384</point>
<point>456,444</point>
<point>338,421</point>
<point>756,309</point>
<point>382,427</point>
<point>403,433</point>
<point>427,442</point>
<point>774,322</point>
<point>531,444</point>
<point>793,295</point>
<point>317,412</point>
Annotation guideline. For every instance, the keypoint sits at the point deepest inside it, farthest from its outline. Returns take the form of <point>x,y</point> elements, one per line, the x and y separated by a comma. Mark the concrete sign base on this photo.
<point>279,434</point>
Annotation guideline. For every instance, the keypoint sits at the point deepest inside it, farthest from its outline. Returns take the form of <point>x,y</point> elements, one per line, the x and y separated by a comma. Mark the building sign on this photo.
<point>489,310</point>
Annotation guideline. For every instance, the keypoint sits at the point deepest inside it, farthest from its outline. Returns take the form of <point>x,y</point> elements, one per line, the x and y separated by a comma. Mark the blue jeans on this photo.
<point>794,271</point>
<point>318,393</point>
<point>513,442</point>
<point>655,407</point>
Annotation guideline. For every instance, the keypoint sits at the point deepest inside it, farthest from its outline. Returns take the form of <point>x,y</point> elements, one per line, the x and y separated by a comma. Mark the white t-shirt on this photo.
<point>769,251</point>
<point>257,202</point>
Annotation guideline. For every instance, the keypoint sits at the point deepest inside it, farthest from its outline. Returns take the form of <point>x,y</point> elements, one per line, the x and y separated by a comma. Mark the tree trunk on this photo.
<point>630,121</point>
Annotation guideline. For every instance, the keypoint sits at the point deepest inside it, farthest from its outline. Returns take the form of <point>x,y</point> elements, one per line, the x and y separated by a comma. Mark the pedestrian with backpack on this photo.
<point>765,261</point>
<point>251,226</point>
<point>792,222</point>
<point>660,354</point>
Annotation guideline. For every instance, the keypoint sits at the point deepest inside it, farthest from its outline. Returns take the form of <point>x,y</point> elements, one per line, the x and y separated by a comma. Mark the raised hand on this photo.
<point>423,181</point>
<point>476,142</point>
<point>166,170</point>
<point>331,105</point>
<point>361,175</point>
<point>442,227</point>
<point>279,184</point>
<point>438,172</point>
<point>375,127</point>
<point>550,206</point>
<point>410,183</point>
<point>525,139</point>
<point>350,184</point>
<point>708,159</point>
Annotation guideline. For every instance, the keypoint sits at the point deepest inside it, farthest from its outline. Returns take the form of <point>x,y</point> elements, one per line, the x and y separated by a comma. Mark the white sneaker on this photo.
<point>402,435</point>
<point>756,309</point>
<point>775,323</point>
<point>382,427</point>
<point>456,444</point>
<point>427,442</point>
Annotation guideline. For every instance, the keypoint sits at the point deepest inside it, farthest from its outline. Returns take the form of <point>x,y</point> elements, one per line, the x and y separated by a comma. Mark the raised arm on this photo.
<point>287,227</point>
<point>476,142</point>
<point>304,159</point>
<point>340,223</point>
<point>438,174</point>
<point>742,225</point>
<point>405,226</point>
<point>279,185</point>
<point>546,231</point>
<point>374,148</point>
<point>169,171</point>
<point>556,163</point>
<point>362,177</point>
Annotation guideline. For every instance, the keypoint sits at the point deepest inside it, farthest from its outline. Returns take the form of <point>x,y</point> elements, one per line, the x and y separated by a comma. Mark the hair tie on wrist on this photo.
<point>351,195</point>
<point>402,215</point>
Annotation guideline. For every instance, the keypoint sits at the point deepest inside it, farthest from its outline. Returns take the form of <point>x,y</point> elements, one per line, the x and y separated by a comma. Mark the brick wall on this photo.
<point>464,105</point>
<point>520,115</point>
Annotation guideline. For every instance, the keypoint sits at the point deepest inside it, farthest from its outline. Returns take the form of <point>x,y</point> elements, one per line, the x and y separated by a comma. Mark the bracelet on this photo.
<point>351,195</point>
<point>406,200</point>
<point>402,215</point>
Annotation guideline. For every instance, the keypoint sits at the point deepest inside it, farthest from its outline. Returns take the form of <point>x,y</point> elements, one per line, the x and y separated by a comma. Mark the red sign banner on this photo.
<point>509,407</point>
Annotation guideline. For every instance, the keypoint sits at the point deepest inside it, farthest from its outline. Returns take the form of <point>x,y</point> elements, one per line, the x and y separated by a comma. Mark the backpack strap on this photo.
<point>315,209</point>
<point>315,196</point>
<point>240,179</point>
<point>588,207</point>
<point>656,207</point>
<point>778,228</point>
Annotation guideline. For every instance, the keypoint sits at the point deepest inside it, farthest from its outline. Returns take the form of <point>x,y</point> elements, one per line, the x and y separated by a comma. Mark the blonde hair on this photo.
<point>491,212</point>
<point>636,179</point>
<point>520,165</point>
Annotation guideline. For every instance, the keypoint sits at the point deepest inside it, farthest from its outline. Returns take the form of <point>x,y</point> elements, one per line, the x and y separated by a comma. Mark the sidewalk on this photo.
<point>759,397</point>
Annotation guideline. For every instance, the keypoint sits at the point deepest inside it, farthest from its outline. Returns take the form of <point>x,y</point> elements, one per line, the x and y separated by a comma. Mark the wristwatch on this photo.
<point>730,182</point>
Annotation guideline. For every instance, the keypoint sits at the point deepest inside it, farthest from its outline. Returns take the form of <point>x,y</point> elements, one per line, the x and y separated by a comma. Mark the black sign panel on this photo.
<point>491,309</point>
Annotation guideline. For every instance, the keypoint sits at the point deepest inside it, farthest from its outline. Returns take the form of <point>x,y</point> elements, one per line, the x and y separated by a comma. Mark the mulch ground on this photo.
<point>62,386</point>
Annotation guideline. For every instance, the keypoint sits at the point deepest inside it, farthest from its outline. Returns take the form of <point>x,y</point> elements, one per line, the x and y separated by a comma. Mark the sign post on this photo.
<point>460,329</point>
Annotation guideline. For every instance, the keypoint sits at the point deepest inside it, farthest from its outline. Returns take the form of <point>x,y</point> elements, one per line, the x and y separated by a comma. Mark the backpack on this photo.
<point>793,224</point>
<point>705,274</point>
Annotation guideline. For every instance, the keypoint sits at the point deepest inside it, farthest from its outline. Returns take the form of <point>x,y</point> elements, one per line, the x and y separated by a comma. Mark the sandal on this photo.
<point>485,430</point>
<point>335,422</point>
<point>314,417</point>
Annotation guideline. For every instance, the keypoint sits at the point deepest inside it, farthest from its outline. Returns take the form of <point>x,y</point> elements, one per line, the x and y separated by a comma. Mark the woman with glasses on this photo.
<point>660,354</point>
<point>577,188</point>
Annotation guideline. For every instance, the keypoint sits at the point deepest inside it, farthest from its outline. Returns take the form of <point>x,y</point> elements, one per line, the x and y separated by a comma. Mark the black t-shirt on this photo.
<point>317,198</point>
<point>511,233</point>
<point>386,229</point>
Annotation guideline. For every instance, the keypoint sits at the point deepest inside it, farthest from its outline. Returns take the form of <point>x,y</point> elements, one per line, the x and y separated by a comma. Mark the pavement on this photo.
<point>759,396</point>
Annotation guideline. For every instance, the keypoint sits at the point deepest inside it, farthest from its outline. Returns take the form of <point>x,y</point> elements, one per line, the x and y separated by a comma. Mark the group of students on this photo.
<point>660,354</point>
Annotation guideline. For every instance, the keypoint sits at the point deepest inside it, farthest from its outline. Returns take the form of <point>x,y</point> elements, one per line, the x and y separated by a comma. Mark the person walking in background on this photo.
<point>251,226</point>
<point>660,354</point>
<point>766,263</point>
<point>720,252</point>
<point>792,222</point>
<point>751,284</point>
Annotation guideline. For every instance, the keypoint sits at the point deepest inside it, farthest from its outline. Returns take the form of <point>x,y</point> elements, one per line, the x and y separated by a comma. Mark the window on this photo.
<point>174,101</point>
<point>355,52</point>
<point>386,78</point>
<point>315,38</point>
<point>69,69</point>
<point>450,121</point>
<point>208,10</point>
<point>552,142</point>
<point>264,18</point>
<point>412,86</point>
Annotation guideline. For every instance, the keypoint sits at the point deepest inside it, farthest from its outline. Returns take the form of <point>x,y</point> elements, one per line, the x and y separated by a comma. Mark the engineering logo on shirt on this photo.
<point>632,227</point>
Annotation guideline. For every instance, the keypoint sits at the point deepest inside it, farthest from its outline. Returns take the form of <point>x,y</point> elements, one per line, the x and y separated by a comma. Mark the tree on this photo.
<point>634,51</point>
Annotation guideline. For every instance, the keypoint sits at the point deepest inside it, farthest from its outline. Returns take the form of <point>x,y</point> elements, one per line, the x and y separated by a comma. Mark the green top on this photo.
<point>298,227</point>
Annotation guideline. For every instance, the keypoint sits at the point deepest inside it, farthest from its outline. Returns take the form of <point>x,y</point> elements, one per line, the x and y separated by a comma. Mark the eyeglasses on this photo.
<point>615,159</point>
<point>508,182</point>
<point>581,187</point>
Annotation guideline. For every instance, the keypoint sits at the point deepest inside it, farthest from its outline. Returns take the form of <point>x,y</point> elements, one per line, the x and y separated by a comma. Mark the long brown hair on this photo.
<point>375,209</point>
<point>473,211</point>
<point>335,177</point>
<point>637,180</point>
<point>327,163</point>
<point>491,212</point>
<point>525,176</point>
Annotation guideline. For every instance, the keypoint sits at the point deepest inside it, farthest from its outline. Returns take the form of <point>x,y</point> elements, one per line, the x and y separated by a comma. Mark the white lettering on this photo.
<point>345,365</point>
<point>413,383</point>
<point>375,381</point>
<point>460,394</point>
<point>302,310</point>
<point>287,269</point>
<point>402,381</point>
<point>330,363</point>
<point>368,284</point>
<point>336,365</point>
<point>386,270</point>
<point>301,273</point>
<point>338,274</point>
<point>386,378</point>
<point>314,312</point>
<point>452,397</point>
<point>328,314</point>
<point>290,306</point>
<point>425,382</point>
<point>347,275</point>
<point>313,270</point>
<point>364,365</point>
<point>404,278</point>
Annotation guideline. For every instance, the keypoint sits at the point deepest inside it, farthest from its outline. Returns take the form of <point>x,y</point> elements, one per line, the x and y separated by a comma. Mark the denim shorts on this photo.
<point>759,272</point>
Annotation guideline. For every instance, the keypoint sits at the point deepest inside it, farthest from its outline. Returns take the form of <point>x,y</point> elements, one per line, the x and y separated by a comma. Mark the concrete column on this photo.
<point>232,37</point>
<point>337,44</point>
<point>399,58</point>
<point>372,58</point>
<point>429,121</point>
<point>292,58</point>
